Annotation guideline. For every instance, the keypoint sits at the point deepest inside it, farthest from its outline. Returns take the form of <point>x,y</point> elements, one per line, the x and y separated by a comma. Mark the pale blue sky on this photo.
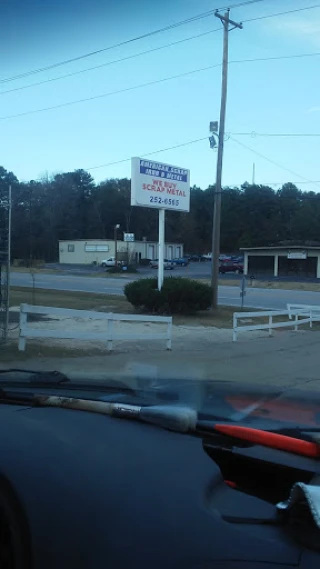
<point>265,97</point>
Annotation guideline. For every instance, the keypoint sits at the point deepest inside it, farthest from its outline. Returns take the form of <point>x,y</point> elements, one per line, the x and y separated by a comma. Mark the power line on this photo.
<point>272,161</point>
<point>183,144</point>
<point>254,134</point>
<point>145,154</point>
<point>141,85</point>
<point>281,13</point>
<point>237,61</point>
<point>102,50</point>
<point>276,57</point>
<point>109,93</point>
<point>110,62</point>
<point>125,42</point>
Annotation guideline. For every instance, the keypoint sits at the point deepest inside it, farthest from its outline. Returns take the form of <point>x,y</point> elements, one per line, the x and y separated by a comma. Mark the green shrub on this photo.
<point>177,296</point>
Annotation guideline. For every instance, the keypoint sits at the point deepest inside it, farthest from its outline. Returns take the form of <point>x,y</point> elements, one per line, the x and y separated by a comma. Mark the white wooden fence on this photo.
<point>301,316</point>
<point>27,330</point>
<point>315,310</point>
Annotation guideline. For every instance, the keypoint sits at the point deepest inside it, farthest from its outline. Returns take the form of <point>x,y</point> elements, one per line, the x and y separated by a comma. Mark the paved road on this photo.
<point>228,295</point>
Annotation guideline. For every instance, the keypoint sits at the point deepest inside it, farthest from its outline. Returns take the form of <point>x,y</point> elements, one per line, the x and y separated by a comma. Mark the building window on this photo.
<point>96,248</point>
<point>70,248</point>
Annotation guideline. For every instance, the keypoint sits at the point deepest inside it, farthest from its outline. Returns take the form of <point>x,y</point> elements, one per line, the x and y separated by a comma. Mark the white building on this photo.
<point>88,251</point>
<point>282,261</point>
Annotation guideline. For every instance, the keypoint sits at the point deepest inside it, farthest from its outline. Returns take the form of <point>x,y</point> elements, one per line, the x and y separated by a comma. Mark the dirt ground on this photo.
<point>288,359</point>
<point>202,347</point>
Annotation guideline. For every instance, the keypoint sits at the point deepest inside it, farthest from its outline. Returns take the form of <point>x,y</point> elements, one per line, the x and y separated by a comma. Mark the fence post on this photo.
<point>234,331</point>
<point>22,326</point>
<point>296,317</point>
<point>110,332</point>
<point>169,331</point>
<point>270,326</point>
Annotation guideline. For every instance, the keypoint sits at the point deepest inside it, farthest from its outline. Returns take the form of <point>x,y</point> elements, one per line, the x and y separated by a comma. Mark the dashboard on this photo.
<point>91,491</point>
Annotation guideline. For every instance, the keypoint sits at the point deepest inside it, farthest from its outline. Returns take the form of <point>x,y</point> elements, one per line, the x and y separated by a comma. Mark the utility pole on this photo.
<point>253,174</point>
<point>225,20</point>
<point>116,227</point>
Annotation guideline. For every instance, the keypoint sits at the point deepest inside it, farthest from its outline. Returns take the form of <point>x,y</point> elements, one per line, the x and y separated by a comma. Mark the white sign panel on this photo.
<point>128,237</point>
<point>297,255</point>
<point>158,185</point>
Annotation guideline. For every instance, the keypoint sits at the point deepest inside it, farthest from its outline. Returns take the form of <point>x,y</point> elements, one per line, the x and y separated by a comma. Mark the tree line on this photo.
<point>72,206</point>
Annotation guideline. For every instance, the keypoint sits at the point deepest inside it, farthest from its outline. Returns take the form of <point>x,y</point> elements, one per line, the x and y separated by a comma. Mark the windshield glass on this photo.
<point>159,207</point>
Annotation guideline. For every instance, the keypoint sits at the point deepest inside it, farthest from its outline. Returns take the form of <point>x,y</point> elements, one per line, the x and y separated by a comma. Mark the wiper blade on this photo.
<point>39,377</point>
<point>180,419</point>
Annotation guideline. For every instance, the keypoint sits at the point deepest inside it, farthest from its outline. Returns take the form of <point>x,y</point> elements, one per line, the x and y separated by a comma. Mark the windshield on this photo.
<point>159,203</point>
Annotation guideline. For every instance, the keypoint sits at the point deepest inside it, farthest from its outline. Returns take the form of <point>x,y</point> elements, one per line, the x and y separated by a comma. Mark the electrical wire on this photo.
<point>145,154</point>
<point>110,62</point>
<point>102,50</point>
<point>271,161</point>
<point>281,13</point>
<point>254,134</point>
<point>234,61</point>
<point>110,93</point>
<point>126,42</point>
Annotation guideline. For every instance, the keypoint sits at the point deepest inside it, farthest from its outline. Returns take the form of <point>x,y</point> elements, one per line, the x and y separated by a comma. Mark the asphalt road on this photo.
<point>228,295</point>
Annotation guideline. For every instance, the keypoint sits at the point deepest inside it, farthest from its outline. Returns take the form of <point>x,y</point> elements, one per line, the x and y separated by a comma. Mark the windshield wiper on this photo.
<point>39,377</point>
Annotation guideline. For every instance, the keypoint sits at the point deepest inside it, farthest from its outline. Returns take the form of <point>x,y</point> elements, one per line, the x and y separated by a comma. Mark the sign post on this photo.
<point>161,248</point>
<point>128,238</point>
<point>163,187</point>
<point>243,289</point>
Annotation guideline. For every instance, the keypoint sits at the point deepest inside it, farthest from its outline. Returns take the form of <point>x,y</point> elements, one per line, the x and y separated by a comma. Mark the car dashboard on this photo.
<point>92,491</point>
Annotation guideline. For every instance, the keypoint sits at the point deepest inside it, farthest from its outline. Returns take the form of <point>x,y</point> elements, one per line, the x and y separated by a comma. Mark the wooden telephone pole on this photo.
<point>226,22</point>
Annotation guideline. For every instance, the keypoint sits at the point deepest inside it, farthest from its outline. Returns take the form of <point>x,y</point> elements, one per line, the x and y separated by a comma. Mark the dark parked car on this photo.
<point>198,258</point>
<point>167,264</point>
<point>231,267</point>
<point>182,261</point>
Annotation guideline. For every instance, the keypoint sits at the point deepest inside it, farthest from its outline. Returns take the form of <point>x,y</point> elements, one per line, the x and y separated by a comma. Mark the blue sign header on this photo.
<point>163,171</point>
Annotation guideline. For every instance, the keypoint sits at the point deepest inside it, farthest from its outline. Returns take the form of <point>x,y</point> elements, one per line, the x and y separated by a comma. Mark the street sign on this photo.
<point>297,255</point>
<point>160,186</point>
<point>128,237</point>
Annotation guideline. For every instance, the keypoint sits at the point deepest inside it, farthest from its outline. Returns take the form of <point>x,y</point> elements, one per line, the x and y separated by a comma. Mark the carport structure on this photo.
<point>282,261</point>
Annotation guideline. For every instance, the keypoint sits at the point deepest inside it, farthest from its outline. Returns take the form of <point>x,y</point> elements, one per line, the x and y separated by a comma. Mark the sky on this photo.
<point>125,117</point>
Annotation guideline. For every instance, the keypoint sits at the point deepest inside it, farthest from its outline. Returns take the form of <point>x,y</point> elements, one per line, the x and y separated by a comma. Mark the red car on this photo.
<point>231,267</point>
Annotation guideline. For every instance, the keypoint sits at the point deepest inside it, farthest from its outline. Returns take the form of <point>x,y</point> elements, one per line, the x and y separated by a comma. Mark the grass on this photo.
<point>222,318</point>
<point>69,299</point>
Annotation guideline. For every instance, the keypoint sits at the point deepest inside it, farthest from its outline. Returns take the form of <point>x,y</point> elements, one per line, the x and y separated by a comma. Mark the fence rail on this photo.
<point>314,309</point>
<point>301,316</point>
<point>109,335</point>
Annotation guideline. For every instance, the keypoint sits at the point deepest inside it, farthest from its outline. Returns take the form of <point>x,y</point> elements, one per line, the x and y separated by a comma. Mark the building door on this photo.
<point>170,252</point>
<point>151,252</point>
<point>178,252</point>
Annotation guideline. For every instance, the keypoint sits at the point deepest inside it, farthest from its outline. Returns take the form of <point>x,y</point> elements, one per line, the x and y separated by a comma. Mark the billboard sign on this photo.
<point>160,186</point>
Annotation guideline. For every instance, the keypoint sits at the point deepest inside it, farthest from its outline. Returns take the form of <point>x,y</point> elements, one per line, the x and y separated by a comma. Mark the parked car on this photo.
<point>198,258</point>
<point>231,267</point>
<point>110,262</point>
<point>181,261</point>
<point>167,264</point>
<point>224,258</point>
